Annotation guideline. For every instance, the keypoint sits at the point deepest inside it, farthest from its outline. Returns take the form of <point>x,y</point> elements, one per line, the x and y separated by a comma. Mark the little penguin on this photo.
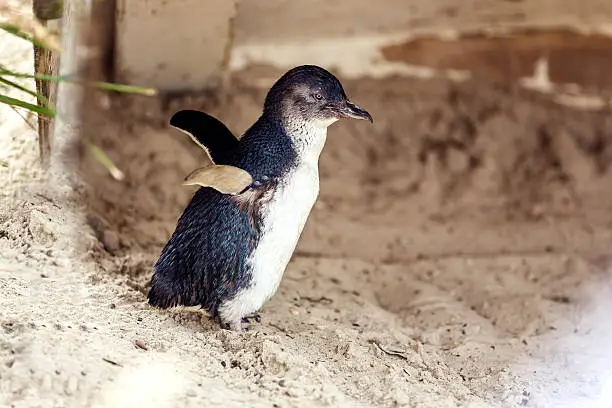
<point>233,242</point>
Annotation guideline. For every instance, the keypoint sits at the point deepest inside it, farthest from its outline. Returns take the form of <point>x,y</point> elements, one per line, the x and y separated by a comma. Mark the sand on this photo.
<point>457,257</point>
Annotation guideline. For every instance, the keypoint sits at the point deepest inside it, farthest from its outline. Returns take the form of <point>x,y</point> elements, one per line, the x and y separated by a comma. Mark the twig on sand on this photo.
<point>390,352</point>
<point>277,327</point>
<point>323,300</point>
<point>111,362</point>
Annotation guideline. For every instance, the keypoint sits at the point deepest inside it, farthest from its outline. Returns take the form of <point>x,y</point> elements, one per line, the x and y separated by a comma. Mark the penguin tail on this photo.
<point>162,295</point>
<point>167,287</point>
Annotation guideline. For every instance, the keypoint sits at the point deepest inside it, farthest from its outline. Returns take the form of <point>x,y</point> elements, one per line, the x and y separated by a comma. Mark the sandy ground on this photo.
<point>457,257</point>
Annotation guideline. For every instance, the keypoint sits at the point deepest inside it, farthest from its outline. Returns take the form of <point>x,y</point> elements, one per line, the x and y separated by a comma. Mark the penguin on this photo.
<point>232,244</point>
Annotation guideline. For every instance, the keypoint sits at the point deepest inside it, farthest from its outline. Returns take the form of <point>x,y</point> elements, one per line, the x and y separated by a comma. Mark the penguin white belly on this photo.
<point>284,217</point>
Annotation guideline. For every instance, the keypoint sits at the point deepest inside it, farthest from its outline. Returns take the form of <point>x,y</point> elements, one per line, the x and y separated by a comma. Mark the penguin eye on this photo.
<point>318,96</point>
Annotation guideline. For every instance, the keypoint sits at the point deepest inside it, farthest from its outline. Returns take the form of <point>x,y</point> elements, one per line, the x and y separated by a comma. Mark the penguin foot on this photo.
<point>235,326</point>
<point>253,316</point>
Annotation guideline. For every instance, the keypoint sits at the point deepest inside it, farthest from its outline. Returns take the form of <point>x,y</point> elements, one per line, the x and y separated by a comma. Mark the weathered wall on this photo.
<point>172,44</point>
<point>187,44</point>
<point>260,21</point>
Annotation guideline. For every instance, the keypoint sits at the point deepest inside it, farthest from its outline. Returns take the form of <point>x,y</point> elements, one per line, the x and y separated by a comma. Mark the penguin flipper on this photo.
<point>208,132</point>
<point>223,178</point>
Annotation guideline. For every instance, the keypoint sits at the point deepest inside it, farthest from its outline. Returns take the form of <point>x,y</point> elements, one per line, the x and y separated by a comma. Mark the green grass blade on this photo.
<point>100,85</point>
<point>9,72</point>
<point>42,110</point>
<point>105,161</point>
<point>125,88</point>
<point>22,88</point>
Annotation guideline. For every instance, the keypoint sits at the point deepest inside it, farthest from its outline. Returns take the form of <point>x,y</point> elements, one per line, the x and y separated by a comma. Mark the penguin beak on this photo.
<point>350,110</point>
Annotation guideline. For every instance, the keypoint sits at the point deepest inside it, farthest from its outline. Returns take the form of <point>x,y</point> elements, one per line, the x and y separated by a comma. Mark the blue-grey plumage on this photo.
<point>228,252</point>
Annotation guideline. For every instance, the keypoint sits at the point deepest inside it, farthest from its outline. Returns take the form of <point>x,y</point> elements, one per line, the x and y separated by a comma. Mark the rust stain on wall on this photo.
<point>573,57</point>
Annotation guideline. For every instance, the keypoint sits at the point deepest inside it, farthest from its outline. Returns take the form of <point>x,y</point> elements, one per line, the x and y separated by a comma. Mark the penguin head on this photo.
<point>312,95</point>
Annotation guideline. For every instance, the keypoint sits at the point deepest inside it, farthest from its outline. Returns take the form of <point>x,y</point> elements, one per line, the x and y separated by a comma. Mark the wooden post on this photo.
<point>46,62</point>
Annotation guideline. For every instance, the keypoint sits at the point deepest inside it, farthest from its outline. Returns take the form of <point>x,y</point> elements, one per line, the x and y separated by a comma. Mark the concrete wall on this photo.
<point>187,44</point>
